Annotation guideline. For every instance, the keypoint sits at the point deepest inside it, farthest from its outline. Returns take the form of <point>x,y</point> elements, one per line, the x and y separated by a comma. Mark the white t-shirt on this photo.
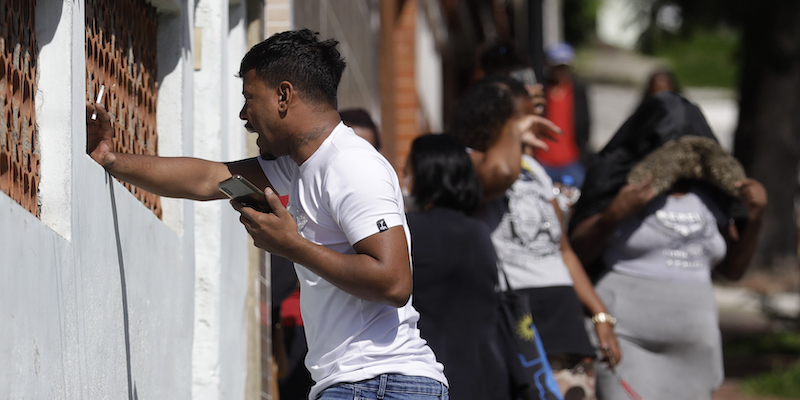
<point>673,238</point>
<point>528,236</point>
<point>345,192</point>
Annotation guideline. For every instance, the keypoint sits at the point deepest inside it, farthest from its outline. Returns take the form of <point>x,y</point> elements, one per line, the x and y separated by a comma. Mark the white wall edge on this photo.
<point>58,102</point>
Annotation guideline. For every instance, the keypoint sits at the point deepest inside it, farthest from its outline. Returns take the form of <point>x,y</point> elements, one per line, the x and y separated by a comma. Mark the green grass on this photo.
<point>783,383</point>
<point>705,58</point>
<point>779,343</point>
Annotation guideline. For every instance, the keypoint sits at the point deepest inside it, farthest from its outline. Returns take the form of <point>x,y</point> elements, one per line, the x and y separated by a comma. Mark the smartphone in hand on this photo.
<point>525,75</point>
<point>241,190</point>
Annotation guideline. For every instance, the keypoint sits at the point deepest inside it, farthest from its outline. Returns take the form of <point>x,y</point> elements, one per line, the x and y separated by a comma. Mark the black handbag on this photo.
<point>531,375</point>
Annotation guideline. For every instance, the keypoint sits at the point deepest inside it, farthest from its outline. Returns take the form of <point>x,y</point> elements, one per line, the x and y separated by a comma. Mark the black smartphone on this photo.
<point>241,190</point>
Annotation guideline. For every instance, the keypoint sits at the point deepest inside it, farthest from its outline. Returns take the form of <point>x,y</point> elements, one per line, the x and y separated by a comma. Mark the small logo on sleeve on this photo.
<point>382,227</point>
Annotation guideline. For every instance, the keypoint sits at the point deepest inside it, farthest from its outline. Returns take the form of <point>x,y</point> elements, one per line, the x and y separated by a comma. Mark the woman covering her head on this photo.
<point>654,219</point>
<point>659,119</point>
<point>455,270</point>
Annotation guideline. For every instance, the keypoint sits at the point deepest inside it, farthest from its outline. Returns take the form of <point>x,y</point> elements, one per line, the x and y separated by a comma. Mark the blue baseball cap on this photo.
<point>560,54</point>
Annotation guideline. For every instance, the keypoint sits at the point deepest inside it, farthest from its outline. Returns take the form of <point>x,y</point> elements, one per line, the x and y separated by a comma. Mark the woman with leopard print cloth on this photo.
<point>662,207</point>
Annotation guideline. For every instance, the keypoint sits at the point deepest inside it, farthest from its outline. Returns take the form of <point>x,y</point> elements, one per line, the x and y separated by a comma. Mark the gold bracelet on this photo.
<point>602,317</point>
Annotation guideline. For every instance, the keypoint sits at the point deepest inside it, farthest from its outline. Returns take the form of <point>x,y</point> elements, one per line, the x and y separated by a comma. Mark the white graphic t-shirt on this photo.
<point>528,237</point>
<point>674,238</point>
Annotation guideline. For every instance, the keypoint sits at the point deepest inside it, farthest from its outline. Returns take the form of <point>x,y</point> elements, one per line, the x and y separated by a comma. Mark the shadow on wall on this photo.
<point>123,288</point>
<point>48,15</point>
<point>174,42</point>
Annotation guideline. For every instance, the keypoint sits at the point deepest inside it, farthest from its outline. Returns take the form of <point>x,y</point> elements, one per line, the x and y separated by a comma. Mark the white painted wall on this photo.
<point>99,299</point>
<point>428,72</point>
<point>552,22</point>
<point>233,277</point>
<point>218,369</point>
<point>211,17</point>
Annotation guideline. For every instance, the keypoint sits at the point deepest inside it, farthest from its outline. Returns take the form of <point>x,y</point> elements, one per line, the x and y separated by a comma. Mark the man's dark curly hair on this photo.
<point>313,67</point>
<point>484,109</point>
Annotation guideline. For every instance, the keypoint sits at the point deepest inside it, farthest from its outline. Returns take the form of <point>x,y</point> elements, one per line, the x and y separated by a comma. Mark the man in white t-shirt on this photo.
<point>344,226</point>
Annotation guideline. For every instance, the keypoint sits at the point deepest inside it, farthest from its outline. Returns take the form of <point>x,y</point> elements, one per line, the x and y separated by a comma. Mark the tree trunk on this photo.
<point>767,140</point>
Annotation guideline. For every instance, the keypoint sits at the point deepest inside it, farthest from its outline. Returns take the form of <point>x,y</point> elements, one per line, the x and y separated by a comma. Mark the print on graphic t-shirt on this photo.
<point>300,218</point>
<point>531,220</point>
<point>690,236</point>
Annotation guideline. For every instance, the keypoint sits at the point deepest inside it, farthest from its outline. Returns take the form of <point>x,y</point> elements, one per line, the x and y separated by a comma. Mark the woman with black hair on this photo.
<point>455,271</point>
<point>493,118</point>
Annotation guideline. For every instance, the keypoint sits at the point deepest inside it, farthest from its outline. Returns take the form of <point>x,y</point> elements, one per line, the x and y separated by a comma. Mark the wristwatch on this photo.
<point>604,317</point>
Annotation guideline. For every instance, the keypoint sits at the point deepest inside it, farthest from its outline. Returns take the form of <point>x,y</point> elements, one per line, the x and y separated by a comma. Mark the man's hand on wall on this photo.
<point>98,134</point>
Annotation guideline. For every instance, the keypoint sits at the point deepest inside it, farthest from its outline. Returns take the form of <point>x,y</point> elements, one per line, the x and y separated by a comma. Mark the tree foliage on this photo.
<point>580,20</point>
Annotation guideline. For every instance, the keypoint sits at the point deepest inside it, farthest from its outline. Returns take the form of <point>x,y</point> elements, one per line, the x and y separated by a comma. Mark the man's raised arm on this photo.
<point>181,177</point>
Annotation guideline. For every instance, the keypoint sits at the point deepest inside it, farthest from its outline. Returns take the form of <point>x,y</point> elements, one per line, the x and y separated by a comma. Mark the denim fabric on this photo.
<point>388,387</point>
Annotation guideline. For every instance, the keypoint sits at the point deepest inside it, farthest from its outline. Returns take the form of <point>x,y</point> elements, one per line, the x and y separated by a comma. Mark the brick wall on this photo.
<point>405,94</point>
<point>19,147</point>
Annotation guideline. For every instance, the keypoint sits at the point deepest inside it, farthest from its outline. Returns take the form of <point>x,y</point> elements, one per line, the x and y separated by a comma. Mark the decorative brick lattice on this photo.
<point>121,54</point>
<point>19,147</point>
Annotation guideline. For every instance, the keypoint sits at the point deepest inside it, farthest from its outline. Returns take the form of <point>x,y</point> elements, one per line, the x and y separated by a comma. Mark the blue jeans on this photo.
<point>388,387</point>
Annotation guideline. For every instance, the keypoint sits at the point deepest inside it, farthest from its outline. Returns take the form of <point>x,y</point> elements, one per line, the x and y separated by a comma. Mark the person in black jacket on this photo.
<point>455,271</point>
